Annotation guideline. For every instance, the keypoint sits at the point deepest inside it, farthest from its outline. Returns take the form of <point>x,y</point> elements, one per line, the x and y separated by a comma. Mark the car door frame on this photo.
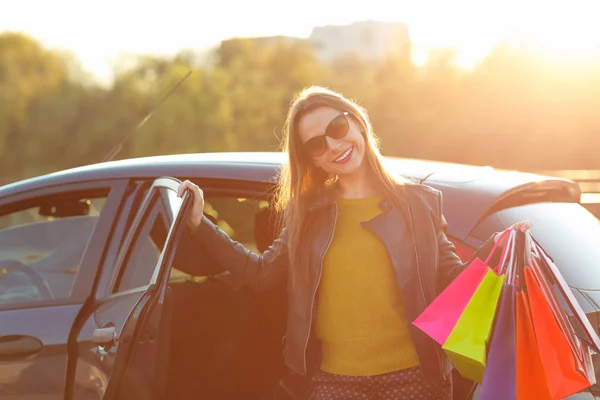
<point>131,236</point>
<point>151,306</point>
<point>134,210</point>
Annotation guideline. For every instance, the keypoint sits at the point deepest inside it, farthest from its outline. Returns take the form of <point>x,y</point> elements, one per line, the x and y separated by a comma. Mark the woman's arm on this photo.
<point>450,265</point>
<point>260,272</point>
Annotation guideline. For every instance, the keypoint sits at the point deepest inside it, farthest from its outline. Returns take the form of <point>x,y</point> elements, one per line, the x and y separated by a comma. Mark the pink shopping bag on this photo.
<point>440,317</point>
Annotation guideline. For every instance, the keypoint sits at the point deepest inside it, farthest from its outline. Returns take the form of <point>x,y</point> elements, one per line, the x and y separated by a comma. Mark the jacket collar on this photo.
<point>326,197</point>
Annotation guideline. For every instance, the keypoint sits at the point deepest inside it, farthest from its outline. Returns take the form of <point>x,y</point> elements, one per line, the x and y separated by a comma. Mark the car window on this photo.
<point>248,221</point>
<point>568,232</point>
<point>42,242</point>
<point>144,252</point>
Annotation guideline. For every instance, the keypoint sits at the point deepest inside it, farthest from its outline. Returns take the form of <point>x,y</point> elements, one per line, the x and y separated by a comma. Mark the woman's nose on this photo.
<point>334,144</point>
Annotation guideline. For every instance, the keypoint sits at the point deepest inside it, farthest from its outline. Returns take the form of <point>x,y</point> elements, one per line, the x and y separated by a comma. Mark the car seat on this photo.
<point>265,228</point>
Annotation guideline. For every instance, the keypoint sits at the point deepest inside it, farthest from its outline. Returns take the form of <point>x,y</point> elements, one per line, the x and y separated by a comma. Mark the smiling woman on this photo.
<point>340,134</point>
<point>362,253</point>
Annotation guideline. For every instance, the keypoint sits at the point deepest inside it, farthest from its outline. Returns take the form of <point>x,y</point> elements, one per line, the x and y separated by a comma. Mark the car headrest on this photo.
<point>265,232</point>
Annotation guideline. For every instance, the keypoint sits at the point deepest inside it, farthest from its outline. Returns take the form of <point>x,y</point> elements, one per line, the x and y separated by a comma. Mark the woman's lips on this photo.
<point>345,156</point>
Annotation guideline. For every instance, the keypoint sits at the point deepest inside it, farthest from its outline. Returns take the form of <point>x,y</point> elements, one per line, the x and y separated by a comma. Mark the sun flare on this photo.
<point>562,31</point>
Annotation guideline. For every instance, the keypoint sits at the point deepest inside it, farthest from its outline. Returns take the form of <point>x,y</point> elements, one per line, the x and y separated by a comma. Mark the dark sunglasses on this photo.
<point>336,129</point>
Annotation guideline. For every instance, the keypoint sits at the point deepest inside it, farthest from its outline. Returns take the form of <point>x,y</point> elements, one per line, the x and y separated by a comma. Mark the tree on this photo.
<point>29,76</point>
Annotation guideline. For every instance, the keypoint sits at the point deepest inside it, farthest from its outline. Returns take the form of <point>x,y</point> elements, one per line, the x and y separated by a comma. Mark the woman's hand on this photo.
<point>198,202</point>
<point>522,226</point>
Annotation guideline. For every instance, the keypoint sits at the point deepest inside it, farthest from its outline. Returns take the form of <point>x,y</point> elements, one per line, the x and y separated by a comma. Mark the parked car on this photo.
<point>103,295</point>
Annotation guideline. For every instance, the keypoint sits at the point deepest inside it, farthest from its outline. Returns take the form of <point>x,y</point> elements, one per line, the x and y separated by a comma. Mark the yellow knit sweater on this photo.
<point>360,317</point>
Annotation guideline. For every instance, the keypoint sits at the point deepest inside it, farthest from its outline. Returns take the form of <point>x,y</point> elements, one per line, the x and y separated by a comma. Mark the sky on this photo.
<point>98,33</point>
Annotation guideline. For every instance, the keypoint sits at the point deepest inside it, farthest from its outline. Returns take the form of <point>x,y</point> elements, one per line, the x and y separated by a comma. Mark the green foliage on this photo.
<point>513,110</point>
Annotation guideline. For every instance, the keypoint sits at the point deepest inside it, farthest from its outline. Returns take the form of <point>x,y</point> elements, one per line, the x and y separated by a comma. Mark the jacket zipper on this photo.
<point>412,226</point>
<point>314,294</point>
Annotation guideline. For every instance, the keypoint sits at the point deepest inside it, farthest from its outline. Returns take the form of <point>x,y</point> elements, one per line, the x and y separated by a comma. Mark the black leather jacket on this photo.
<point>424,265</point>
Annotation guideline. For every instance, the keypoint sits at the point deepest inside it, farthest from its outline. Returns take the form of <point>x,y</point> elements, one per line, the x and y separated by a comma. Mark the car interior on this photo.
<point>41,246</point>
<point>225,339</point>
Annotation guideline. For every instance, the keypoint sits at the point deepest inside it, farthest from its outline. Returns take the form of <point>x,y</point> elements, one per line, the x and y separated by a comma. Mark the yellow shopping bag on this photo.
<point>467,344</point>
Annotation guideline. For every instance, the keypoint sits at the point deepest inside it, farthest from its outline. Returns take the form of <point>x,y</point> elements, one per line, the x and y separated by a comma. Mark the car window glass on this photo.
<point>42,242</point>
<point>568,232</point>
<point>248,221</point>
<point>144,252</point>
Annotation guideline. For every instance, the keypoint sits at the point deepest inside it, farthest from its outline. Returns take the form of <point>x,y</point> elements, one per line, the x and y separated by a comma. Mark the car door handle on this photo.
<point>105,336</point>
<point>19,346</point>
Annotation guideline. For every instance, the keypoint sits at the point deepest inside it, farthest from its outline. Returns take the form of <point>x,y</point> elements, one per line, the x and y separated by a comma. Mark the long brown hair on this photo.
<point>300,181</point>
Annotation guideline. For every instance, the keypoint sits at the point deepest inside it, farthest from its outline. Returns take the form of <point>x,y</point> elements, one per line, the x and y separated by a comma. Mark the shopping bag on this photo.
<point>549,268</point>
<point>499,379</point>
<point>581,349</point>
<point>531,379</point>
<point>560,368</point>
<point>440,317</point>
<point>466,344</point>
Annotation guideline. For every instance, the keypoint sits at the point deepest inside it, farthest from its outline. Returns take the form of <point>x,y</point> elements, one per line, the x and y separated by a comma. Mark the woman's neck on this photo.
<point>358,185</point>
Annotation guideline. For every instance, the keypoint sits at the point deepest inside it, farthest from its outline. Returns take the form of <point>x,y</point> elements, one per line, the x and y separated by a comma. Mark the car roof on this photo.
<point>469,191</point>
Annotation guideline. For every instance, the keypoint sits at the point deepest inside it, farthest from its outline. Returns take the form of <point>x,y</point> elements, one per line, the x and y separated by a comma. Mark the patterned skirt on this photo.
<point>404,384</point>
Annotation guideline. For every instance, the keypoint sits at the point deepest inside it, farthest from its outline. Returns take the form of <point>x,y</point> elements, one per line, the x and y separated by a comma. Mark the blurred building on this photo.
<point>267,40</point>
<point>372,40</point>
<point>369,39</point>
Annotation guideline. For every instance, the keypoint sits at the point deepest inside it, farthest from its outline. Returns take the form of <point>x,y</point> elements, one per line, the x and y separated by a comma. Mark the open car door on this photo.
<point>138,369</point>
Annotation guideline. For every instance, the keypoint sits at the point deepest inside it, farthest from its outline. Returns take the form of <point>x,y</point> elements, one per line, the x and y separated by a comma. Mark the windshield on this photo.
<point>567,231</point>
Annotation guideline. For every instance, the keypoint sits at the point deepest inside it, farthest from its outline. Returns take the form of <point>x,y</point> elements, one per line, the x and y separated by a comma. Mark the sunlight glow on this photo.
<point>566,32</point>
<point>99,34</point>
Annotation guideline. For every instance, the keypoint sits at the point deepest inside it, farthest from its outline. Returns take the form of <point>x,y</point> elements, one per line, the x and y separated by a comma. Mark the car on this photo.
<point>103,294</point>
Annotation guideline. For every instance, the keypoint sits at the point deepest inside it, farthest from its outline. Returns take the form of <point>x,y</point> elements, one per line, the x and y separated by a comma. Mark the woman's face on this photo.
<point>332,140</point>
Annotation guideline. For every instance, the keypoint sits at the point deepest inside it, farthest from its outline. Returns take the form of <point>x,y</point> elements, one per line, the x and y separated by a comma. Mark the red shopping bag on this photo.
<point>555,297</point>
<point>560,368</point>
<point>440,317</point>
<point>531,378</point>
<point>546,263</point>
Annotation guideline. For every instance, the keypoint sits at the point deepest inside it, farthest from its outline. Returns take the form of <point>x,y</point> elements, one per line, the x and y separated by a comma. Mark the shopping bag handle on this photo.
<point>508,247</point>
<point>503,234</point>
<point>511,266</point>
